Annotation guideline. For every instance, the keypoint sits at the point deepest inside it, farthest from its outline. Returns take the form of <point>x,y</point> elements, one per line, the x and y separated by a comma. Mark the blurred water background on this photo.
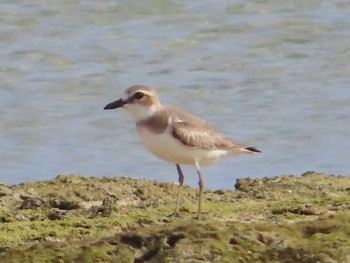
<point>273,74</point>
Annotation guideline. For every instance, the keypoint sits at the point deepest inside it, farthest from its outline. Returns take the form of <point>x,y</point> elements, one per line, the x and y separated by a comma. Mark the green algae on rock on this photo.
<point>89,219</point>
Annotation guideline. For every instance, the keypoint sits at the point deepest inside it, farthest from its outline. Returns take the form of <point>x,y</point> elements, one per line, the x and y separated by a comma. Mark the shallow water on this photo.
<point>274,75</point>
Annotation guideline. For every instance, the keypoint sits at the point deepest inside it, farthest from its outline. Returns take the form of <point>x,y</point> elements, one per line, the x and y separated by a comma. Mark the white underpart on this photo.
<point>166,147</point>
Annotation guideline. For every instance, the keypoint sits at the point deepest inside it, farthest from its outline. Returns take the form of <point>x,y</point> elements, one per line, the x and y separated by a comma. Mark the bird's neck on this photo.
<point>141,113</point>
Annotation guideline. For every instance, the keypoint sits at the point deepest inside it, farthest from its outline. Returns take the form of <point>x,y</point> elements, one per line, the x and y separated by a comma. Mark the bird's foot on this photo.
<point>174,214</point>
<point>198,217</point>
<point>201,216</point>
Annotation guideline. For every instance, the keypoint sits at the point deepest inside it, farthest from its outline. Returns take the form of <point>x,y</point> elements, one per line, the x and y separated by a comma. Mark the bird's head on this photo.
<point>141,101</point>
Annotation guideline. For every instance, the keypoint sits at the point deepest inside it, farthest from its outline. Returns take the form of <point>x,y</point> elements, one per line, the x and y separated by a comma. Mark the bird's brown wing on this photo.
<point>197,133</point>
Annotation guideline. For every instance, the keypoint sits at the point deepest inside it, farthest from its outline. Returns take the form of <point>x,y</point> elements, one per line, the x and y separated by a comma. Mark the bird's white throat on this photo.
<point>141,112</point>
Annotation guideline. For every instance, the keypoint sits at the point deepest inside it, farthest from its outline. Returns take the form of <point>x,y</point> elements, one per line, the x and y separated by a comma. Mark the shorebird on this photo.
<point>176,136</point>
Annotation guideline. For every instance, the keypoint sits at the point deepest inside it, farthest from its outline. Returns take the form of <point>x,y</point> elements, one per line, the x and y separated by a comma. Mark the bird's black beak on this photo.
<point>115,104</point>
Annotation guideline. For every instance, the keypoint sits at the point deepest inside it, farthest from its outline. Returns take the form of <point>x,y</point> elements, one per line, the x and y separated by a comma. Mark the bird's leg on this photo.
<point>200,197</point>
<point>179,191</point>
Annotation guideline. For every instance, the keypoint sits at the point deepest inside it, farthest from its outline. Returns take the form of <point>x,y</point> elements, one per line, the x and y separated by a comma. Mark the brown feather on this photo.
<point>188,129</point>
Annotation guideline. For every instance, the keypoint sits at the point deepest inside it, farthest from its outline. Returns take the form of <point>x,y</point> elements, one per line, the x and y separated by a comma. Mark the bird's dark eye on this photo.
<point>138,95</point>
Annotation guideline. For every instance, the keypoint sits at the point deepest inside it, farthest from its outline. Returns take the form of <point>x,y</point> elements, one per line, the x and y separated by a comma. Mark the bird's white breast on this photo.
<point>166,147</point>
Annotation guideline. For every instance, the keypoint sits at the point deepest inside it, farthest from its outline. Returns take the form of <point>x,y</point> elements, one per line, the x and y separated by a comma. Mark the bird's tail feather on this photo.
<point>251,150</point>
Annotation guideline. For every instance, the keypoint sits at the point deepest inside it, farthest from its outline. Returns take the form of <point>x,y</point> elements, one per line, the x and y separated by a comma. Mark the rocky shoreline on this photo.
<point>73,218</point>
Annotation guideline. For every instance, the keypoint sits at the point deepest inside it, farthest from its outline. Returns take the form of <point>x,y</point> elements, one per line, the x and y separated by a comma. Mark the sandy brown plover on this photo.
<point>176,136</point>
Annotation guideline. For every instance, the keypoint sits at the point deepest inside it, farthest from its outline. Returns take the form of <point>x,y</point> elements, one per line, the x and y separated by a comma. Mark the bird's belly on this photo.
<point>166,147</point>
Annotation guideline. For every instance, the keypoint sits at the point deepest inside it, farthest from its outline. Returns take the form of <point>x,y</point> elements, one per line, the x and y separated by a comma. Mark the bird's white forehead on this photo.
<point>144,91</point>
<point>140,88</point>
<point>129,93</point>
